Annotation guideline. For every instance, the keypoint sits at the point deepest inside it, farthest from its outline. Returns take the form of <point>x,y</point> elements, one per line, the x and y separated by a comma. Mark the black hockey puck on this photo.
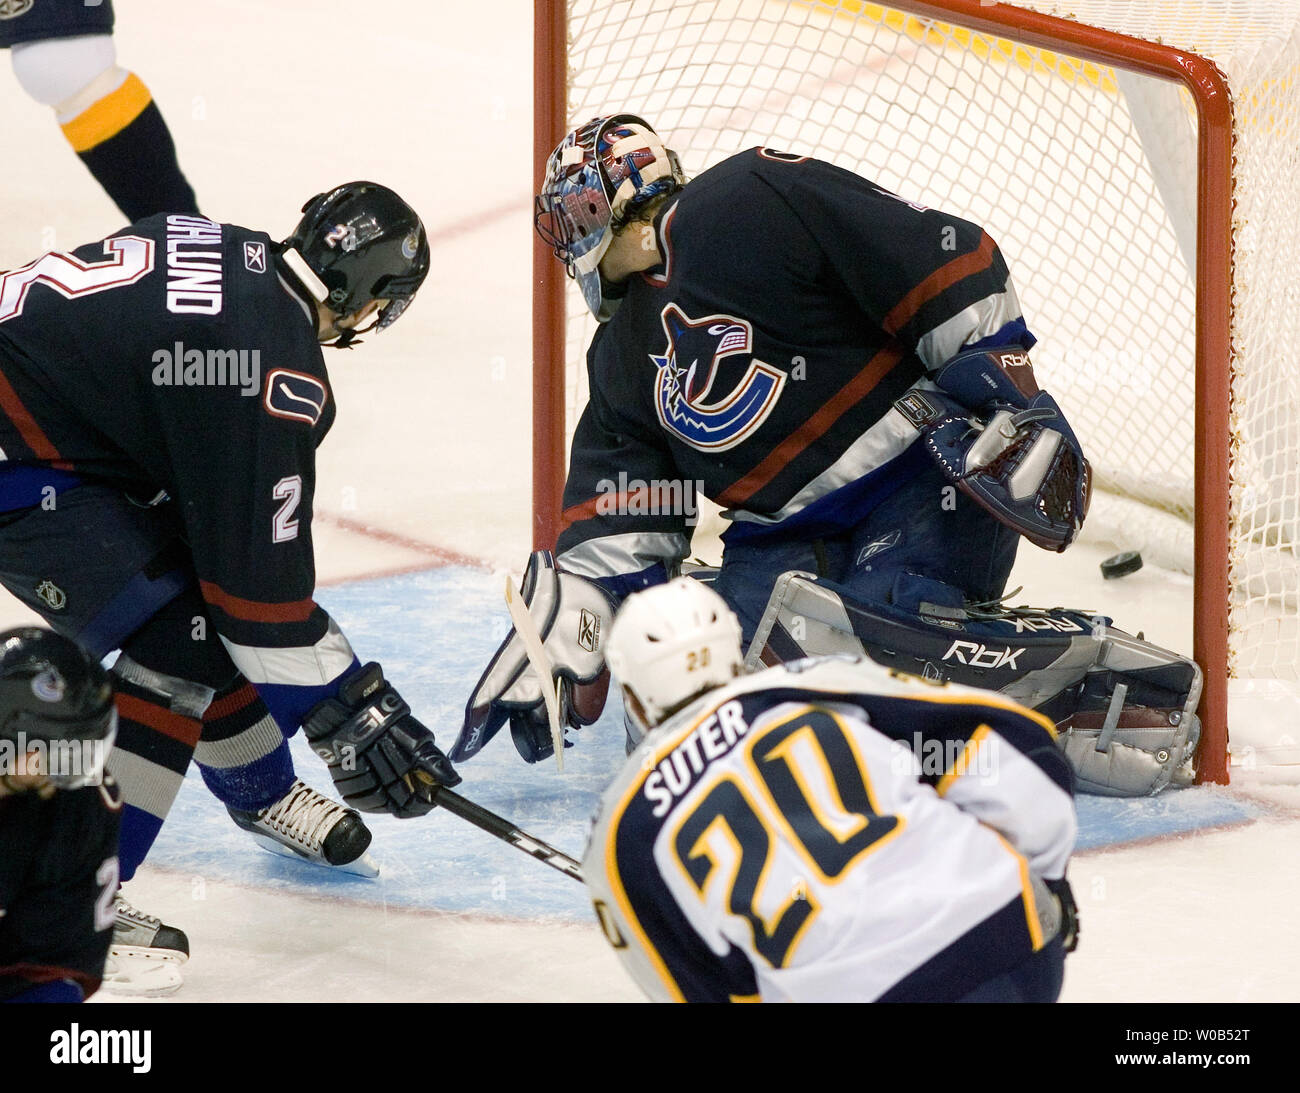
<point>1121,565</point>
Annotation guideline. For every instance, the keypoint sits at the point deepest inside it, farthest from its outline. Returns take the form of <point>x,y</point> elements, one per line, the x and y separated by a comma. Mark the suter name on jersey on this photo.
<point>776,838</point>
<point>677,771</point>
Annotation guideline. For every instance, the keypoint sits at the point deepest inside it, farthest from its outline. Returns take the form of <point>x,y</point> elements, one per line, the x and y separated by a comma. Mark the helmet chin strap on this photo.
<point>348,338</point>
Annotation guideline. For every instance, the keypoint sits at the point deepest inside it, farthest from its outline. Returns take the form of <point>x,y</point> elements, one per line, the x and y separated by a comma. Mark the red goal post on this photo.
<point>568,37</point>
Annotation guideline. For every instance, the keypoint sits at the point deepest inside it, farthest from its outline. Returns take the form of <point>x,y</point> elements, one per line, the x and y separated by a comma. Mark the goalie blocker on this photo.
<point>1125,708</point>
<point>572,617</point>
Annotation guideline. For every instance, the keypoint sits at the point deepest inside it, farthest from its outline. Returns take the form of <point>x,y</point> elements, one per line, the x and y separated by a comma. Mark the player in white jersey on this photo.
<point>826,830</point>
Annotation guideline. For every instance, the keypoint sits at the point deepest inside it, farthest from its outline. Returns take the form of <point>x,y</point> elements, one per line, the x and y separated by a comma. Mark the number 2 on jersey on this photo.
<point>818,802</point>
<point>130,258</point>
<point>284,527</point>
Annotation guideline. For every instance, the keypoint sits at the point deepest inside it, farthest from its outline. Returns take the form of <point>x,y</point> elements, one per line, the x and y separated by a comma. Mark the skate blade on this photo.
<point>137,973</point>
<point>364,866</point>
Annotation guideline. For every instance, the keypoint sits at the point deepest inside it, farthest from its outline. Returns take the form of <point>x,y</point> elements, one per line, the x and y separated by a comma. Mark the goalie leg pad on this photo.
<point>1124,708</point>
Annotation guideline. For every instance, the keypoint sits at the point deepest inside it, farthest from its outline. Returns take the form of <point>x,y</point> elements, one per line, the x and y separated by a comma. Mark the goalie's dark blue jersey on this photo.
<point>796,301</point>
<point>177,355</point>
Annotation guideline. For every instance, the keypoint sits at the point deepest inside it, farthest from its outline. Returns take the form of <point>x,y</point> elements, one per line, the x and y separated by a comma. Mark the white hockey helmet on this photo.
<point>670,643</point>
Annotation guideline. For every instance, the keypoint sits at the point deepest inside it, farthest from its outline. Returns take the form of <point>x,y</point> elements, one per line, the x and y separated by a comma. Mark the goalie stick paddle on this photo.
<point>506,831</point>
<point>526,628</point>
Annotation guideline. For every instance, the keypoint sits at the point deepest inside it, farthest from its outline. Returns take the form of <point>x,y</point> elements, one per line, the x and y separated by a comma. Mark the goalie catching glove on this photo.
<point>380,757</point>
<point>1005,443</point>
<point>572,615</point>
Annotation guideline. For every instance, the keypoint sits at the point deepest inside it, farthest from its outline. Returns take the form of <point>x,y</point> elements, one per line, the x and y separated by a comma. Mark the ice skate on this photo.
<point>304,824</point>
<point>145,955</point>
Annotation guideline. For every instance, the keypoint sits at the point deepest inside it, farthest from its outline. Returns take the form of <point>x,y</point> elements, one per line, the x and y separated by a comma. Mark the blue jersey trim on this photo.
<point>23,485</point>
<point>622,585</point>
<point>289,703</point>
<point>60,990</point>
<point>1013,333</point>
<point>840,510</point>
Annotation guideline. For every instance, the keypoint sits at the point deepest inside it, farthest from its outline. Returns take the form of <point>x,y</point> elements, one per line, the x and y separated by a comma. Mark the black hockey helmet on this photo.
<point>359,242</point>
<point>57,700</point>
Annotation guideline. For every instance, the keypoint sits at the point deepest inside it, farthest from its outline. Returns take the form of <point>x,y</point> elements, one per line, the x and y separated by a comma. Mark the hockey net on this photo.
<point>1058,139</point>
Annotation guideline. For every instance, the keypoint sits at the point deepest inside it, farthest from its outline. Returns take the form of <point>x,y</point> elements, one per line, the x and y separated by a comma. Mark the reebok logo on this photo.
<point>588,630</point>
<point>879,546</point>
<point>1064,626</point>
<point>978,655</point>
<point>255,257</point>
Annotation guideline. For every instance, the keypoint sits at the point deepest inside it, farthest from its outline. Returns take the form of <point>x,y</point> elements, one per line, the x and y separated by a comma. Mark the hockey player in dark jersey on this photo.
<point>162,394</point>
<point>760,324</point>
<point>847,374</point>
<point>826,830</point>
<point>59,816</point>
<point>64,57</point>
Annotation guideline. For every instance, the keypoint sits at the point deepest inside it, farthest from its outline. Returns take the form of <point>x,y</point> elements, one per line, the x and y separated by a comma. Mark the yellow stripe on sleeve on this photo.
<point>108,116</point>
<point>965,761</point>
<point>1032,922</point>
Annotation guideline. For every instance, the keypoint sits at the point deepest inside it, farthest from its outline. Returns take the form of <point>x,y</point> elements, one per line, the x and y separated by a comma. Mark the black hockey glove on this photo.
<point>380,757</point>
<point>1069,912</point>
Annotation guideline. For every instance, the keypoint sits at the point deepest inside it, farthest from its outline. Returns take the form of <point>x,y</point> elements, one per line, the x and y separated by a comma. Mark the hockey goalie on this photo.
<point>847,374</point>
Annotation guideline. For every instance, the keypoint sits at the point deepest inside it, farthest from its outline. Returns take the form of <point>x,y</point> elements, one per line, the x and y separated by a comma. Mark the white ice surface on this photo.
<point>272,102</point>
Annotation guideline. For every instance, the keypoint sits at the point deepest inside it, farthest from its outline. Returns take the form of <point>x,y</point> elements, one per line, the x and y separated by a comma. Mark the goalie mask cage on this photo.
<point>1137,163</point>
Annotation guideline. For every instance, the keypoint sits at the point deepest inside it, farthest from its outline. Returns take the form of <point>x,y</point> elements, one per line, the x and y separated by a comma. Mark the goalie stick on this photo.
<point>506,831</point>
<point>526,628</point>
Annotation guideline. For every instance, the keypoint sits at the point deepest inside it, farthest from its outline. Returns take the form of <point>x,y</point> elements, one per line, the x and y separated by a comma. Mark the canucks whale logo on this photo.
<point>688,406</point>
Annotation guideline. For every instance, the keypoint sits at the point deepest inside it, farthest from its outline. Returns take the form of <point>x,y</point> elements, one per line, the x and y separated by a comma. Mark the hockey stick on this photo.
<point>506,831</point>
<point>526,628</point>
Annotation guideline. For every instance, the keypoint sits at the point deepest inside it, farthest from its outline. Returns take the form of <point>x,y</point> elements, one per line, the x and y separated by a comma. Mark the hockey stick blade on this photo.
<point>506,831</point>
<point>526,628</point>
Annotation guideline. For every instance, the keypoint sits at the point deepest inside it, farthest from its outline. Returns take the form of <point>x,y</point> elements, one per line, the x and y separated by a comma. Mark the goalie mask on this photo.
<point>671,643</point>
<point>357,243</point>
<point>597,180</point>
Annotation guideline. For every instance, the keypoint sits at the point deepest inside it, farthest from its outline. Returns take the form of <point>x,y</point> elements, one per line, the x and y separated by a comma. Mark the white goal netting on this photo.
<point>1086,177</point>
